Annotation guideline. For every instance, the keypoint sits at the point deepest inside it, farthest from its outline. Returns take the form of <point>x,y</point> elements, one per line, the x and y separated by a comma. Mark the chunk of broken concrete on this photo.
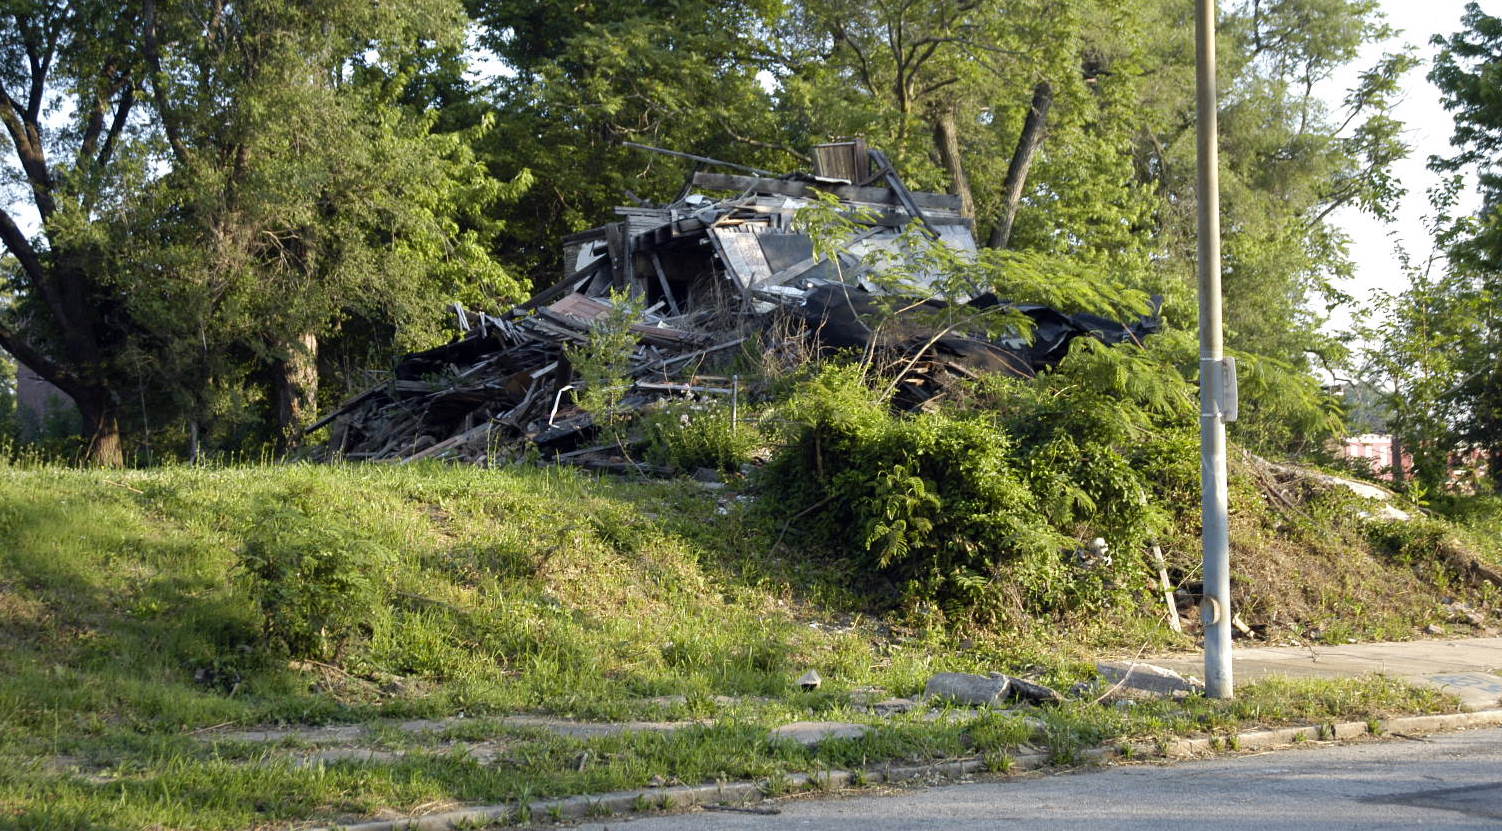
<point>810,680</point>
<point>1026,690</point>
<point>810,733</point>
<point>1131,676</point>
<point>1461,613</point>
<point>965,688</point>
<point>893,706</point>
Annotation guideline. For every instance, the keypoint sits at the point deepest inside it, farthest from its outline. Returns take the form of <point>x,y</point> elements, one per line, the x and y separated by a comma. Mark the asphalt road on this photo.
<point>1449,782</point>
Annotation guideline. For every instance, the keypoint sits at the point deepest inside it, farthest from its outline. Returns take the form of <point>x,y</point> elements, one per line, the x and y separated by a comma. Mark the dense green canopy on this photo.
<point>1437,348</point>
<point>241,203</point>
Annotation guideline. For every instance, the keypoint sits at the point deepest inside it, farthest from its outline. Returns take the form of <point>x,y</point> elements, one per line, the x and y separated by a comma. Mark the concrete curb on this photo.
<point>689,796</point>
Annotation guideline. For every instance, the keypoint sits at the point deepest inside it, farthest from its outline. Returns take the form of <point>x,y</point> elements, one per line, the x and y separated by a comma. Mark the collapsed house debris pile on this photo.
<point>714,277</point>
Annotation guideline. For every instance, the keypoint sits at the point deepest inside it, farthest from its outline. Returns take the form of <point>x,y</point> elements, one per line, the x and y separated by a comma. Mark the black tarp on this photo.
<point>838,315</point>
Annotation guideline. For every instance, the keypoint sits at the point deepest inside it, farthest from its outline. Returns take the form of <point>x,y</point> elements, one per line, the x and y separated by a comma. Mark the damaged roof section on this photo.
<point>713,272</point>
<point>661,252</point>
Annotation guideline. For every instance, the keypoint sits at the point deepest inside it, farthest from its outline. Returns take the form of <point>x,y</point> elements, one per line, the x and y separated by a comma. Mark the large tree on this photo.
<point>212,187</point>
<point>1070,127</point>
<point>582,79</point>
<point>1468,72</point>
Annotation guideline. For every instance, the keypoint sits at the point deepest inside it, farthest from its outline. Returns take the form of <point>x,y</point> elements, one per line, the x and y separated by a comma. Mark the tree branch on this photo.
<point>158,84</point>
<point>21,249</point>
<point>860,57</point>
<point>94,127</point>
<point>35,360</point>
<point>935,87</point>
<point>769,145</point>
<point>26,136</point>
<point>1016,180</point>
<point>122,112</point>
<point>38,61</point>
<point>35,270</point>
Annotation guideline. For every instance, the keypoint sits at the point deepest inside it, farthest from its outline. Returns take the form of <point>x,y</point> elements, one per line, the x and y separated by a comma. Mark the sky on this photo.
<point>1428,128</point>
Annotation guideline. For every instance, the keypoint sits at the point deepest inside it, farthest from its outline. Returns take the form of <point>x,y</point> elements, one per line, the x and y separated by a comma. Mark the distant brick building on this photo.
<point>1376,449</point>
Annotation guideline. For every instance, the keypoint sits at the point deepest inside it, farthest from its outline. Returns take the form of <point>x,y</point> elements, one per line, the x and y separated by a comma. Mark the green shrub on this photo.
<point>933,501</point>
<point>979,505</point>
<point>689,436</point>
<point>1106,441</point>
<point>319,582</point>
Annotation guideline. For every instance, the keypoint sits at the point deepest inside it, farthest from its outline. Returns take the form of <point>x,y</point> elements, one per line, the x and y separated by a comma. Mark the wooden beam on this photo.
<point>620,254</point>
<point>1167,589</point>
<point>557,290</point>
<point>904,195</point>
<point>787,187</point>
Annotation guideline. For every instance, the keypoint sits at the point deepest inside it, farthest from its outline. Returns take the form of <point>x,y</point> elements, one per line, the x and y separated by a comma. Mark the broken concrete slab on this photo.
<point>1409,660</point>
<point>966,688</point>
<point>1134,677</point>
<point>866,696</point>
<point>893,706</point>
<point>1476,690</point>
<point>810,733</point>
<point>955,716</point>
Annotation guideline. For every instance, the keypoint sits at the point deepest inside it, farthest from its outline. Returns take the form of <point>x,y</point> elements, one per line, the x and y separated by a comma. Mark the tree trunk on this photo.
<point>1022,159</point>
<point>947,140</point>
<point>101,425</point>
<point>295,387</point>
<point>1399,475</point>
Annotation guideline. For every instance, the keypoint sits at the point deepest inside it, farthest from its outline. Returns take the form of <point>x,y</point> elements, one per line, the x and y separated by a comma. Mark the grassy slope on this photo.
<point>125,627</point>
<point>1317,570</point>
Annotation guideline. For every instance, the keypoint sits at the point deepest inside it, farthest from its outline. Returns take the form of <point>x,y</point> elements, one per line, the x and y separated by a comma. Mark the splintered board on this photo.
<point>741,252</point>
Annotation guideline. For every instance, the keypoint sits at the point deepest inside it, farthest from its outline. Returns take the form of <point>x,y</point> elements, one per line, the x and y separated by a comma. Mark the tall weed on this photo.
<point>319,582</point>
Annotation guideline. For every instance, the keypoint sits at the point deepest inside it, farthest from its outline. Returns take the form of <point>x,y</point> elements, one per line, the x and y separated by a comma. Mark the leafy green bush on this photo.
<point>1409,542</point>
<point>980,505</point>
<point>1106,440</point>
<point>319,583</point>
<point>690,436</point>
<point>932,501</point>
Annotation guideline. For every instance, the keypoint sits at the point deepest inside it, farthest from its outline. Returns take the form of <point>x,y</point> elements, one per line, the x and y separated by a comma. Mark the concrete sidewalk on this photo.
<point>1469,668</point>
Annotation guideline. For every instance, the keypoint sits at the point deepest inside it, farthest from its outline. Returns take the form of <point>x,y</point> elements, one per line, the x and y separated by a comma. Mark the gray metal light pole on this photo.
<point>1217,382</point>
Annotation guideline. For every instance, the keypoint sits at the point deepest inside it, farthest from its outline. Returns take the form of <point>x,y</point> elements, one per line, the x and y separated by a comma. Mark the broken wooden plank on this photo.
<point>567,284</point>
<point>741,252</point>
<point>667,362</point>
<point>447,444</point>
<point>1173,607</point>
<point>592,235</point>
<point>904,196</point>
<point>620,254</point>
<point>798,269</point>
<point>346,407</point>
<point>653,385</point>
<point>667,290</point>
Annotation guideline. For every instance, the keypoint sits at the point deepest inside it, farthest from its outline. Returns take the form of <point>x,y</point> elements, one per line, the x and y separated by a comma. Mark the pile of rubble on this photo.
<point>714,277</point>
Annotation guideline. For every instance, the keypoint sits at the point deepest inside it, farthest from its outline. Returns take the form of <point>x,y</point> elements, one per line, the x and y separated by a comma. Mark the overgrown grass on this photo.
<point>1478,520</point>
<point>132,625</point>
